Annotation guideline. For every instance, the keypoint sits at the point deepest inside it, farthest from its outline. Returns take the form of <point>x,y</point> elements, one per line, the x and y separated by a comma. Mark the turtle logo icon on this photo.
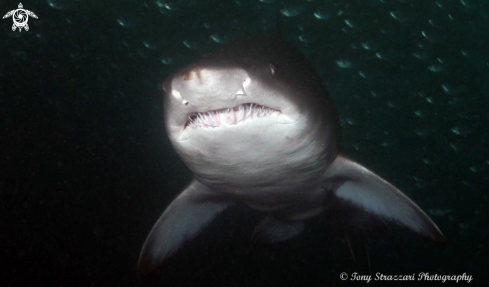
<point>20,17</point>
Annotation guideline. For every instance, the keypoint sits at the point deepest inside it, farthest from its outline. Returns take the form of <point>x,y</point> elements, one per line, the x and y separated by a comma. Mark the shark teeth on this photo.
<point>230,116</point>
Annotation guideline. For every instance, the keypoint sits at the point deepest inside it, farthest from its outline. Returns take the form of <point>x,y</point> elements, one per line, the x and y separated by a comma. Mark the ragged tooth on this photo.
<point>233,118</point>
<point>201,119</point>
<point>241,112</point>
<point>184,136</point>
<point>283,119</point>
<point>236,114</point>
<point>212,120</point>
<point>217,118</point>
<point>222,117</point>
<point>208,119</point>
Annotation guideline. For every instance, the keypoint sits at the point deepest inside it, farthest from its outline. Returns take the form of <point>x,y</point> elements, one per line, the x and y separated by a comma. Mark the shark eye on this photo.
<point>273,70</point>
<point>185,102</point>
<point>246,82</point>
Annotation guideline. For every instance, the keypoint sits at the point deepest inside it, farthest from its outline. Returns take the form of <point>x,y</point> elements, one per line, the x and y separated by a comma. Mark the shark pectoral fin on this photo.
<point>188,214</point>
<point>274,230</point>
<point>365,189</point>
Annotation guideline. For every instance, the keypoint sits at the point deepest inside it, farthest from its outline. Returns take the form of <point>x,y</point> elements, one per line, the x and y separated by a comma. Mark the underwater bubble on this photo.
<point>370,45</point>
<point>294,10</point>
<point>440,23</point>
<point>387,30</point>
<point>454,146</point>
<point>444,4</point>
<point>166,12</point>
<point>454,89</point>
<point>388,142</point>
<point>350,121</point>
<point>351,23</point>
<point>436,68</point>
<point>418,179</point>
<point>461,130</point>
<point>432,36</point>
<point>402,16</point>
<point>355,46</point>
<point>387,55</point>
<point>424,132</point>
<point>166,60</point>
<point>468,3</point>
<point>343,63</point>
<point>326,13</point>
<point>174,5</point>
<point>465,53</point>
<point>420,113</point>
<point>446,61</point>
<point>61,4</point>
<point>128,21</point>
<point>377,93</point>
<point>222,39</point>
<point>369,74</point>
<point>423,53</point>
<point>429,161</point>
<point>477,168</point>
<point>190,44</point>
<point>151,44</point>
<point>307,37</point>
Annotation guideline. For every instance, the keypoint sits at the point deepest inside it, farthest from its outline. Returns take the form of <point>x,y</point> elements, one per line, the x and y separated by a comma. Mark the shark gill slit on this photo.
<point>229,116</point>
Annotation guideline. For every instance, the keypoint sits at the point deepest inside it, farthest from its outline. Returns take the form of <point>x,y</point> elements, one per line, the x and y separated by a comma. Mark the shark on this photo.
<point>255,124</point>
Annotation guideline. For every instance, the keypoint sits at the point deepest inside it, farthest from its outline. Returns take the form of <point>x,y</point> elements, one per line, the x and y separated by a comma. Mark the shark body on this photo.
<point>255,125</point>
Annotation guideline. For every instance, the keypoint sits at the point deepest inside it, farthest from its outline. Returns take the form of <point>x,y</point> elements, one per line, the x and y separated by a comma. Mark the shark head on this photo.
<point>255,125</point>
<point>247,108</point>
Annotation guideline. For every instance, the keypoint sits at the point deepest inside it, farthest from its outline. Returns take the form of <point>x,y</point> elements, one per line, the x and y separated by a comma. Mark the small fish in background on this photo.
<point>255,125</point>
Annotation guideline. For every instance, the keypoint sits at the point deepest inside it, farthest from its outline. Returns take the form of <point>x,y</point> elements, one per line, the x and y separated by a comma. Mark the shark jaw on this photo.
<point>229,116</point>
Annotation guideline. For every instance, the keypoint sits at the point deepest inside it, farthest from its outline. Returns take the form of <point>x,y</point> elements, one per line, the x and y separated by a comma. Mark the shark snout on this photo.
<point>204,87</point>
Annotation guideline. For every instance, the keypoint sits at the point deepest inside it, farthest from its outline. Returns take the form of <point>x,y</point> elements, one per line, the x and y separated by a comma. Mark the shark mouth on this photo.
<point>229,116</point>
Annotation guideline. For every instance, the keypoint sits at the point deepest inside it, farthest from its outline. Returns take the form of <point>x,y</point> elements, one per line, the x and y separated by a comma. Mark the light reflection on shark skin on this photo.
<point>255,125</point>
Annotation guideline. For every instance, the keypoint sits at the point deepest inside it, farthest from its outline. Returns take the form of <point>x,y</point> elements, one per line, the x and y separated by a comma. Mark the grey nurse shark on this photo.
<point>255,125</point>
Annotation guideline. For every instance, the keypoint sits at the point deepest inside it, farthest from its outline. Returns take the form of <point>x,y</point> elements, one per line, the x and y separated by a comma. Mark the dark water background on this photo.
<point>86,167</point>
